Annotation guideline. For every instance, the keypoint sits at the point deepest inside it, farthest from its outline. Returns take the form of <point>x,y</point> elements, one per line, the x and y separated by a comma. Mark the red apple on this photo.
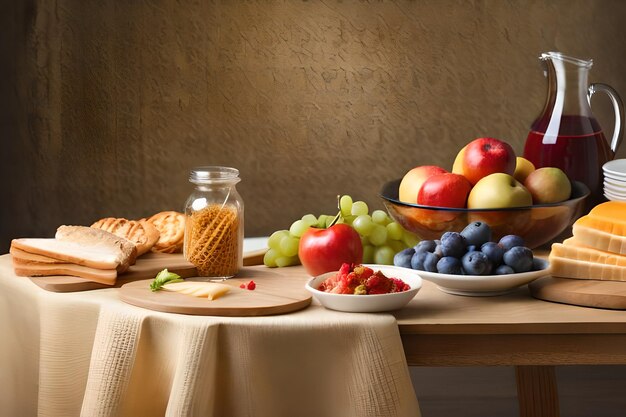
<point>325,250</point>
<point>413,180</point>
<point>444,190</point>
<point>485,156</point>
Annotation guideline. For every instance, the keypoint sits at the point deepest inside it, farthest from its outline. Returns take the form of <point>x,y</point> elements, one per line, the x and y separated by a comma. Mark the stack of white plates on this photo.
<point>615,180</point>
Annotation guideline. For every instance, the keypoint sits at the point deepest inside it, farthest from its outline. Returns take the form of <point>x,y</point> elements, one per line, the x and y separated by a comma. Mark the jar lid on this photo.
<point>213,175</point>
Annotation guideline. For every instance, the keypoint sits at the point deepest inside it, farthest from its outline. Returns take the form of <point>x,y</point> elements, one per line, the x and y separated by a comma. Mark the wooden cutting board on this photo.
<point>581,292</point>
<point>147,266</point>
<point>278,291</point>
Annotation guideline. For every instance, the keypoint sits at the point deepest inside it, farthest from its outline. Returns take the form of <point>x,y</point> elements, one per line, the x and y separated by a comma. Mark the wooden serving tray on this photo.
<point>278,291</point>
<point>581,292</point>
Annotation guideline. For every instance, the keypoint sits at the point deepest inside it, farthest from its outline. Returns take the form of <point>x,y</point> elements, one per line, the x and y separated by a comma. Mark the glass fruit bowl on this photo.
<point>537,224</point>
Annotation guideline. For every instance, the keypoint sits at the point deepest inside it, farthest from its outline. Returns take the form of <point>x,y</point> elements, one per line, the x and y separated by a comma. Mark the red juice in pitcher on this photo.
<point>580,149</point>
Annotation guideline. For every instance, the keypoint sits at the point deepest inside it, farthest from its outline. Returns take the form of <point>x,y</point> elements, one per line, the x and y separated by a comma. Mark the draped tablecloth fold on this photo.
<point>90,354</point>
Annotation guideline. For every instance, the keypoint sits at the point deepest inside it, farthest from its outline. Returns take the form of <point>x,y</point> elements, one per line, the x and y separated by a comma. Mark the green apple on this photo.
<point>548,185</point>
<point>498,190</point>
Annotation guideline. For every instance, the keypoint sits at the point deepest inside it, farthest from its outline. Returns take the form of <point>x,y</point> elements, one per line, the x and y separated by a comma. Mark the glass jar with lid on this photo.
<point>214,226</point>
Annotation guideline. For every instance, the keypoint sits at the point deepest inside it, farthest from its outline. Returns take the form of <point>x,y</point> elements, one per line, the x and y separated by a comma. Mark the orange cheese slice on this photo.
<point>609,217</point>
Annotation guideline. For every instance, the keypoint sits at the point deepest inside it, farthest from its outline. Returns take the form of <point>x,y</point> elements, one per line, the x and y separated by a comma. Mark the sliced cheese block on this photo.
<point>103,276</point>
<point>24,257</point>
<point>210,290</point>
<point>598,239</point>
<point>570,268</point>
<point>98,257</point>
<point>568,249</point>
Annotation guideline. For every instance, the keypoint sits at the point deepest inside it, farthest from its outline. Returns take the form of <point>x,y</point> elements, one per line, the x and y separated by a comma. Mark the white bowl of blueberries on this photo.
<point>470,263</point>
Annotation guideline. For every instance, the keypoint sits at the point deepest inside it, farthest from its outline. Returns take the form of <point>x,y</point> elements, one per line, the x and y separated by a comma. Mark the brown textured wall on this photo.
<point>106,105</point>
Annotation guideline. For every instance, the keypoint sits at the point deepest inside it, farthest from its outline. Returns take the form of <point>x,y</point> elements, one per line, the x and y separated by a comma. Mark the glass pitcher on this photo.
<point>566,135</point>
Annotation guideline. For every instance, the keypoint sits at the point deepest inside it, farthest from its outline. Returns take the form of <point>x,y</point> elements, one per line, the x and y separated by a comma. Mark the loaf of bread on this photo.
<point>143,234</point>
<point>171,227</point>
<point>91,237</point>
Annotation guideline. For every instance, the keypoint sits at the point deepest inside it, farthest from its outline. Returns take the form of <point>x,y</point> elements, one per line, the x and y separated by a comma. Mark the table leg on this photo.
<point>536,391</point>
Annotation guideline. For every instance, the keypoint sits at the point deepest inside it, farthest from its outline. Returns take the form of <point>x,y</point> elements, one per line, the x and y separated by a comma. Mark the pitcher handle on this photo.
<point>618,108</point>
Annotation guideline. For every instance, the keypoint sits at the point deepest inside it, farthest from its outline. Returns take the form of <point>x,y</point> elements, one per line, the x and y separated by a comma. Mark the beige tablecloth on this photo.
<point>90,354</point>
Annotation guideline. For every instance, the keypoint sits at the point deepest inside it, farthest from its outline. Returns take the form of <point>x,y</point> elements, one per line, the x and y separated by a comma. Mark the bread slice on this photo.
<point>93,256</point>
<point>103,276</point>
<point>90,237</point>
<point>144,235</point>
<point>27,258</point>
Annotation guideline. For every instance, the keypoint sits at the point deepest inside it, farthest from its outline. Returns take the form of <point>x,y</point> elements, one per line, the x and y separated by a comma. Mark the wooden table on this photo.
<point>439,329</point>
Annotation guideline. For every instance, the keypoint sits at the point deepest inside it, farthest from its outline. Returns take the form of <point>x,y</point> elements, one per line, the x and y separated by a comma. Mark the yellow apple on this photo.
<point>548,185</point>
<point>498,190</point>
<point>457,167</point>
<point>523,167</point>
<point>413,180</point>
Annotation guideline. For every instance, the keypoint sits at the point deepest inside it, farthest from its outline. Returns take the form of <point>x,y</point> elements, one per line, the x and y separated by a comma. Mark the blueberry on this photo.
<point>477,233</point>
<point>430,262</point>
<point>438,251</point>
<point>470,248</point>
<point>493,251</point>
<point>425,246</point>
<point>476,263</point>
<point>519,258</point>
<point>453,244</point>
<point>509,241</point>
<point>403,258</point>
<point>537,264</point>
<point>449,265</point>
<point>417,260</point>
<point>504,270</point>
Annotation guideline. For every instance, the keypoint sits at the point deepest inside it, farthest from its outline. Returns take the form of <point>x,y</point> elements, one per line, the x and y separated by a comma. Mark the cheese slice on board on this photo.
<point>598,239</point>
<point>103,276</point>
<point>210,290</point>
<point>570,268</point>
<point>570,250</point>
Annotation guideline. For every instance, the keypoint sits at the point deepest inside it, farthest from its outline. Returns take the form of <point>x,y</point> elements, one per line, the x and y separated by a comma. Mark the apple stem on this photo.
<point>335,220</point>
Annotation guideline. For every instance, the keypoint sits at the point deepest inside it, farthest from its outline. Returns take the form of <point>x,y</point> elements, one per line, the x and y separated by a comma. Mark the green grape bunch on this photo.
<point>381,236</point>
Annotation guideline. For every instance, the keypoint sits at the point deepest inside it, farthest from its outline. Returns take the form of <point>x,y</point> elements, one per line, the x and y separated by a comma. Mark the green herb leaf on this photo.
<point>162,278</point>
